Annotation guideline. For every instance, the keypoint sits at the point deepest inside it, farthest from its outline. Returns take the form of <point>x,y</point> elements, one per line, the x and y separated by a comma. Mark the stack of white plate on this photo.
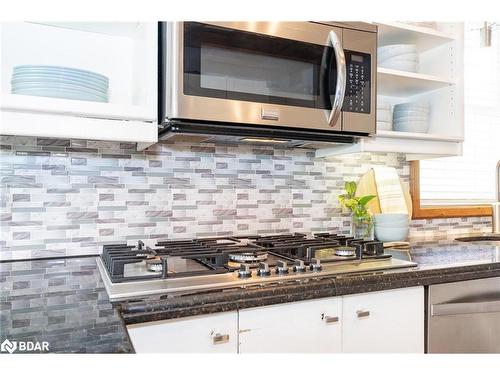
<point>59,82</point>
<point>399,57</point>
<point>384,115</point>
<point>411,117</point>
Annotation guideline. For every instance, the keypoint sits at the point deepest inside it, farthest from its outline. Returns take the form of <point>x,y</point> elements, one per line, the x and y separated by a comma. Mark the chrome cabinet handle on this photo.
<point>220,339</point>
<point>331,319</point>
<point>362,314</point>
<point>338,100</point>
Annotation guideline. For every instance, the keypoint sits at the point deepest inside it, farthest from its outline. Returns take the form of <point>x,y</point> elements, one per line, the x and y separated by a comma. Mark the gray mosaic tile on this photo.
<point>106,192</point>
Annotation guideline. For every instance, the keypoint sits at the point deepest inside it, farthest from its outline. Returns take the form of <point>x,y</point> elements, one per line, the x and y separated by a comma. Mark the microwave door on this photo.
<point>239,76</point>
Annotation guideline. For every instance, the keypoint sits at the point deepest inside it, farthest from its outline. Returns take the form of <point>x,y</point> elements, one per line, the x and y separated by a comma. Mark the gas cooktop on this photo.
<point>223,262</point>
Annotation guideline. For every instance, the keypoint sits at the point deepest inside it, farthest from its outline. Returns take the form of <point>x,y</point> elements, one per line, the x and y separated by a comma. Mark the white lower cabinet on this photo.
<point>389,321</point>
<point>215,333</point>
<point>299,327</point>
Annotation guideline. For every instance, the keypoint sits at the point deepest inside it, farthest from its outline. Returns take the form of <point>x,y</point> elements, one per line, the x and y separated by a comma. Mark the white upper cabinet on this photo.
<point>438,81</point>
<point>390,321</point>
<point>299,327</point>
<point>125,52</point>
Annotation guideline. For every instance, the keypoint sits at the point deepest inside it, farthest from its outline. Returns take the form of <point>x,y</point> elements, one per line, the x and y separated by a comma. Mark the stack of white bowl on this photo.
<point>391,227</point>
<point>384,115</point>
<point>398,57</point>
<point>59,82</point>
<point>411,117</point>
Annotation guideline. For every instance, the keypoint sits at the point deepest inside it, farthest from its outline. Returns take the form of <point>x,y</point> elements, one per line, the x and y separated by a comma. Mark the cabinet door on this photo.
<point>384,322</point>
<point>216,333</point>
<point>298,327</point>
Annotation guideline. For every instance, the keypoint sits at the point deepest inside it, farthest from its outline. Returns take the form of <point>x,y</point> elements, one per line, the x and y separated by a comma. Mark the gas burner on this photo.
<point>248,257</point>
<point>154,264</point>
<point>345,251</point>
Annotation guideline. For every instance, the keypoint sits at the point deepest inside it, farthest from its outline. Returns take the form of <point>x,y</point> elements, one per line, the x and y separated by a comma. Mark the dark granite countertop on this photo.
<point>64,302</point>
<point>439,261</point>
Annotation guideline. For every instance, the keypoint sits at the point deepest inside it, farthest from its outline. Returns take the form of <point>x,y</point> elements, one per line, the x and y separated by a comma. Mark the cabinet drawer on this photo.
<point>298,327</point>
<point>216,333</point>
<point>385,322</point>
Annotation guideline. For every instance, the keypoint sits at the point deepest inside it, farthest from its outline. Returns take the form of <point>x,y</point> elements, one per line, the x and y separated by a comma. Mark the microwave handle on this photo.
<point>338,100</point>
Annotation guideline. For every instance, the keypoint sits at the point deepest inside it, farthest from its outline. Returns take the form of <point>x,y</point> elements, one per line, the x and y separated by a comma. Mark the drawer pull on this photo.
<point>331,319</point>
<point>220,339</point>
<point>362,314</point>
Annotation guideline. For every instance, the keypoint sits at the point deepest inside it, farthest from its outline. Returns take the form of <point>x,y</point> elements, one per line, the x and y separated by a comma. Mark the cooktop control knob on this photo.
<point>281,267</point>
<point>244,271</point>
<point>263,269</point>
<point>299,266</point>
<point>315,265</point>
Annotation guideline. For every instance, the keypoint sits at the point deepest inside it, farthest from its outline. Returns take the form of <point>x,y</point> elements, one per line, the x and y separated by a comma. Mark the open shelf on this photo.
<point>55,126</point>
<point>124,52</point>
<point>421,136</point>
<point>78,108</point>
<point>425,38</point>
<point>413,147</point>
<point>400,83</point>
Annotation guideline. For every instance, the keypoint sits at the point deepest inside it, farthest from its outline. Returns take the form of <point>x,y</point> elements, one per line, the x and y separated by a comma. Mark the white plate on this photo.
<point>63,94</point>
<point>59,86</point>
<point>60,70</point>
<point>58,81</point>
<point>404,66</point>
<point>55,75</point>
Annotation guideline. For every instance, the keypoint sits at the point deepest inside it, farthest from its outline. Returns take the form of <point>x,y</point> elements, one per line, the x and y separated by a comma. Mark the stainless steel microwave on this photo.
<point>268,81</point>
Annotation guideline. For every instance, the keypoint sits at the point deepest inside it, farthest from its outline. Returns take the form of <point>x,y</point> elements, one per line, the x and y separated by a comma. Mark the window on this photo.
<point>468,180</point>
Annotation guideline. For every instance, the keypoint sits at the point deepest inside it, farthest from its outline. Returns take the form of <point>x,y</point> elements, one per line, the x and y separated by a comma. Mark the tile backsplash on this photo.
<point>69,197</point>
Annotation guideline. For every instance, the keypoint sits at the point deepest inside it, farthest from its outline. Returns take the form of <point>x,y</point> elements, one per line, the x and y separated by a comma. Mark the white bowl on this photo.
<point>387,218</point>
<point>413,105</point>
<point>388,234</point>
<point>394,224</point>
<point>411,127</point>
<point>411,112</point>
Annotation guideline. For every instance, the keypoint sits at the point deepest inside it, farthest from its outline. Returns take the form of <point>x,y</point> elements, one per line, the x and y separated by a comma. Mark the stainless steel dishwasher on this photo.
<point>464,317</point>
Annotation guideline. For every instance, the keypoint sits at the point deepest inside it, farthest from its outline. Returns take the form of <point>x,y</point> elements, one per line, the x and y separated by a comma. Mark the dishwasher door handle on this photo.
<point>442,309</point>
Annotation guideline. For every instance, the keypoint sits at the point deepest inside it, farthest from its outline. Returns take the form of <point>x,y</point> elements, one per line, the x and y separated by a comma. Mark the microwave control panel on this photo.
<point>357,93</point>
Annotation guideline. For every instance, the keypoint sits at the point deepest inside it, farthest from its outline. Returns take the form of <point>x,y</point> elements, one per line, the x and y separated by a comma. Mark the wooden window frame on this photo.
<point>435,212</point>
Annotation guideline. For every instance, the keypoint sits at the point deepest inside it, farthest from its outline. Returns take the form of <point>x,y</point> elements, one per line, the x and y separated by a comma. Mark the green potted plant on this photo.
<point>361,218</point>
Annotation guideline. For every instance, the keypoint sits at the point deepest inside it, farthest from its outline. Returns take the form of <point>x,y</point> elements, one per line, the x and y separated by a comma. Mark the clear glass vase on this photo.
<point>362,227</point>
